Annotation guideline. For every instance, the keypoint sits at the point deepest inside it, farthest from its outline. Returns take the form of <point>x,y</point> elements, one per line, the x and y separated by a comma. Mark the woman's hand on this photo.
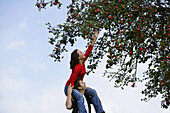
<point>96,33</point>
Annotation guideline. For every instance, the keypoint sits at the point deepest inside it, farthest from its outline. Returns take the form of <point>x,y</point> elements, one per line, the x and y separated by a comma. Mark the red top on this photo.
<point>79,70</point>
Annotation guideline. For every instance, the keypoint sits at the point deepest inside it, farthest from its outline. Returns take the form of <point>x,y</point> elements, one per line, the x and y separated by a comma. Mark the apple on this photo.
<point>55,3</point>
<point>130,52</point>
<point>130,16</point>
<point>44,4</point>
<point>116,7</point>
<point>58,57</point>
<point>133,85</point>
<point>147,8</point>
<point>105,2</point>
<point>135,6</point>
<point>91,5</point>
<point>38,5</point>
<point>164,60</point>
<point>110,17</point>
<point>98,10</point>
<point>138,29</point>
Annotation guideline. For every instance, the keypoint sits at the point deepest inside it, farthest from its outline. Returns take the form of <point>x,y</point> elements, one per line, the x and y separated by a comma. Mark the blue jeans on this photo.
<point>80,100</point>
<point>94,99</point>
<point>79,97</point>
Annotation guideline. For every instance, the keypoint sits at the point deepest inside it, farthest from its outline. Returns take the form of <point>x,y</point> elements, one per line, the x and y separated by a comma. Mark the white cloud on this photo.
<point>23,23</point>
<point>15,45</point>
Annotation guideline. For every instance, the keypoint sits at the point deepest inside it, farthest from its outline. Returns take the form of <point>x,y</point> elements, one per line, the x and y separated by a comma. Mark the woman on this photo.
<point>77,64</point>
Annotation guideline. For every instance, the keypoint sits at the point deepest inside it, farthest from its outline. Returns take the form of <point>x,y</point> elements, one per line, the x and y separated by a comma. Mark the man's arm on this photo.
<point>68,100</point>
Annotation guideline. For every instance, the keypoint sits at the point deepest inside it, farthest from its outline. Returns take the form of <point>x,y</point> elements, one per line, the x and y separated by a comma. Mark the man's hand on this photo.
<point>69,98</point>
<point>70,89</point>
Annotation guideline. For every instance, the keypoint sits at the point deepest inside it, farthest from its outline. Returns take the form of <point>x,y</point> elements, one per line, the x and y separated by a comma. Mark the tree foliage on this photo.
<point>135,31</point>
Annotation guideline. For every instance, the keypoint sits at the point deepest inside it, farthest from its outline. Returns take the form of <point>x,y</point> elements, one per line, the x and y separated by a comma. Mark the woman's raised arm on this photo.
<point>96,33</point>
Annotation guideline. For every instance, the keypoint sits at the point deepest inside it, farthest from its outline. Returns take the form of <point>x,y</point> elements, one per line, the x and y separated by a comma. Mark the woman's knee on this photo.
<point>77,95</point>
<point>91,92</point>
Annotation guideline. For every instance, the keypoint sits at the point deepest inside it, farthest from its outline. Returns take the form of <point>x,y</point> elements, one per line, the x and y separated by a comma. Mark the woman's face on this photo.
<point>81,54</point>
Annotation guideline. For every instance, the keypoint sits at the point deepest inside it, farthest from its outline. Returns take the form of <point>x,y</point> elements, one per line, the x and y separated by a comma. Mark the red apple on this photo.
<point>138,29</point>
<point>133,85</point>
<point>116,7</point>
<point>135,6</point>
<point>38,5</point>
<point>130,52</point>
<point>44,4</point>
<point>55,3</point>
<point>98,10</point>
<point>105,2</point>
<point>147,8</point>
<point>91,5</point>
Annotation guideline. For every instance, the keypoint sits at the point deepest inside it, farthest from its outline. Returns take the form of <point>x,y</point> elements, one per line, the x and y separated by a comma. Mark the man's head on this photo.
<point>79,84</point>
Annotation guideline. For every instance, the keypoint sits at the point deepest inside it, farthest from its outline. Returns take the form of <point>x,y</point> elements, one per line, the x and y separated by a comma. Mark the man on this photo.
<point>90,94</point>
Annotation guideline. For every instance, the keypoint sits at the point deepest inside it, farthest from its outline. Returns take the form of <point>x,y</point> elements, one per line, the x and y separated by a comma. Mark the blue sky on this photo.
<point>30,82</point>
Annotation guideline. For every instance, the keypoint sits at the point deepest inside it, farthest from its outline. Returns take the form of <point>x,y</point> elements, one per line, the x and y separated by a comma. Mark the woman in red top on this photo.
<point>77,64</point>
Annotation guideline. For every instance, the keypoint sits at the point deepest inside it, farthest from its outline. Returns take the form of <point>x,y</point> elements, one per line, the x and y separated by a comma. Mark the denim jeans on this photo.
<point>80,100</point>
<point>79,97</point>
<point>94,99</point>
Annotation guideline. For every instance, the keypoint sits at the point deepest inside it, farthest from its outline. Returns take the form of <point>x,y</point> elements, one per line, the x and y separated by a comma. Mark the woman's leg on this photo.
<point>95,100</point>
<point>79,98</point>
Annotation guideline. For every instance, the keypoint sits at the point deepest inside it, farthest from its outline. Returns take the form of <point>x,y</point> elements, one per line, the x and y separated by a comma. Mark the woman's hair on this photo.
<point>74,59</point>
<point>76,83</point>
